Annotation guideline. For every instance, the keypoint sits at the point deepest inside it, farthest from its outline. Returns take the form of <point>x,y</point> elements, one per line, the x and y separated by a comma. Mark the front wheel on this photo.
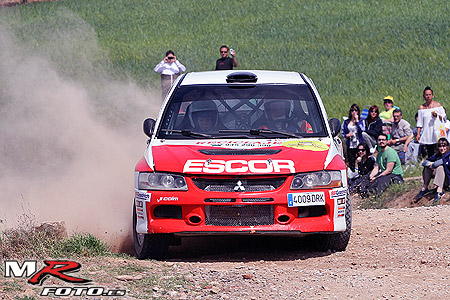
<point>153,245</point>
<point>337,241</point>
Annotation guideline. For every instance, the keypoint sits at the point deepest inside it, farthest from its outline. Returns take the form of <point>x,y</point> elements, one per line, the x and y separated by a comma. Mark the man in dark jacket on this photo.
<point>374,127</point>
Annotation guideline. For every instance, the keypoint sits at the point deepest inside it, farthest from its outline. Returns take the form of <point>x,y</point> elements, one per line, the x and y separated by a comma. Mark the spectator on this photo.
<point>386,116</point>
<point>437,166</point>
<point>169,68</point>
<point>364,165</point>
<point>226,62</point>
<point>401,134</point>
<point>431,116</point>
<point>364,160</point>
<point>414,148</point>
<point>373,126</point>
<point>387,169</point>
<point>352,130</point>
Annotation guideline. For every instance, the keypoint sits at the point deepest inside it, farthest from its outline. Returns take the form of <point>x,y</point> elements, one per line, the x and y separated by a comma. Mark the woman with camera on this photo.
<point>169,68</point>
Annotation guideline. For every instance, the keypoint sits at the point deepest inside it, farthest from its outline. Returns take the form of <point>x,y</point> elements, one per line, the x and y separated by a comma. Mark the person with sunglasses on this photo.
<point>373,125</point>
<point>225,62</point>
<point>437,166</point>
<point>364,164</point>
<point>387,169</point>
<point>352,130</point>
<point>169,68</point>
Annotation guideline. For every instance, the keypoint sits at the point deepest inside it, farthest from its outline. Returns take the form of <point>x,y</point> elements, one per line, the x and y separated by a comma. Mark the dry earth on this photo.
<point>395,253</point>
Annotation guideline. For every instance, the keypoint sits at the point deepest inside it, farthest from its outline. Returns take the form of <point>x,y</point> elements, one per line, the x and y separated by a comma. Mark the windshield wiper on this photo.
<point>186,132</point>
<point>260,131</point>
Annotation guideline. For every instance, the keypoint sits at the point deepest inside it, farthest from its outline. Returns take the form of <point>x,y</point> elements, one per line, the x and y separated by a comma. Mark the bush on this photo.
<point>31,241</point>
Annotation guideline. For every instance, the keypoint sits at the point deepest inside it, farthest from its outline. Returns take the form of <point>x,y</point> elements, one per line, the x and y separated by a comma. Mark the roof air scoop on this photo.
<point>243,77</point>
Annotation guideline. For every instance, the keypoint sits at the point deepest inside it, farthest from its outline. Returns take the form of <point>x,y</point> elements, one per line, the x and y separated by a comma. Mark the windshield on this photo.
<point>258,111</point>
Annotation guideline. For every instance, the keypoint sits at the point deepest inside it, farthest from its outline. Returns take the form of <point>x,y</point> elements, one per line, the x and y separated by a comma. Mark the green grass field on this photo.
<point>355,51</point>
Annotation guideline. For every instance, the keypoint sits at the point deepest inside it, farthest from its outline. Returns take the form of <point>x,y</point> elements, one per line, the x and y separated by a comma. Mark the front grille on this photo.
<point>239,185</point>
<point>239,151</point>
<point>257,200</point>
<point>239,215</point>
<point>220,200</point>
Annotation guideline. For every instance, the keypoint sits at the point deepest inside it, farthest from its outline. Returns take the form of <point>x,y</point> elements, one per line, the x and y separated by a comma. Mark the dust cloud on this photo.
<point>69,137</point>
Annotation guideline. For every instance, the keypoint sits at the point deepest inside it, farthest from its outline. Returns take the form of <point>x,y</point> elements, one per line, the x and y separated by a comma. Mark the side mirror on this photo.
<point>335,126</point>
<point>149,125</point>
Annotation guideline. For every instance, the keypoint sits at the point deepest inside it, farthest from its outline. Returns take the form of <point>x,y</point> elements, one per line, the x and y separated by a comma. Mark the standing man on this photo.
<point>387,169</point>
<point>226,62</point>
<point>169,68</point>
<point>401,134</point>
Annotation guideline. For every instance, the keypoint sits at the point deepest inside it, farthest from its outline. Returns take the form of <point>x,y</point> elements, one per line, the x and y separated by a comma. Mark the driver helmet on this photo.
<point>203,109</point>
<point>279,110</point>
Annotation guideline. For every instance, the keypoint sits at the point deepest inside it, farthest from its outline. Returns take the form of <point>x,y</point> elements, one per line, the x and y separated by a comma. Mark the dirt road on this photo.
<point>393,254</point>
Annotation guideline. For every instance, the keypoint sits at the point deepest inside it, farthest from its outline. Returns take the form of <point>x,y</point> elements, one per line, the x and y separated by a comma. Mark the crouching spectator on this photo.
<point>373,127</point>
<point>364,165</point>
<point>437,166</point>
<point>387,170</point>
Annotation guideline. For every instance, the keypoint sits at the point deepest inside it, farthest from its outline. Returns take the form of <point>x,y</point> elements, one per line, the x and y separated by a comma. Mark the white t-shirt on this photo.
<point>430,125</point>
<point>354,138</point>
<point>165,68</point>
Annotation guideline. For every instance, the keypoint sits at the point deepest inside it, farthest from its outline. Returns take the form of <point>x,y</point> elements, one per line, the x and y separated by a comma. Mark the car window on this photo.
<point>226,110</point>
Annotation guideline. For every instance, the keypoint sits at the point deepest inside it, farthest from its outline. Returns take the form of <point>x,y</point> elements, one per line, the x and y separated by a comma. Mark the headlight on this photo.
<point>161,181</point>
<point>322,179</point>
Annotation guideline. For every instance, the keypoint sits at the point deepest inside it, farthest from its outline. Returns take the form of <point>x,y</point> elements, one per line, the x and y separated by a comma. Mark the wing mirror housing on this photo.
<point>149,126</point>
<point>335,126</point>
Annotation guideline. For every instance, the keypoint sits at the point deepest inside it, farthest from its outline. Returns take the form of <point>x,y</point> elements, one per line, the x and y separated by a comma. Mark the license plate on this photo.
<point>306,199</point>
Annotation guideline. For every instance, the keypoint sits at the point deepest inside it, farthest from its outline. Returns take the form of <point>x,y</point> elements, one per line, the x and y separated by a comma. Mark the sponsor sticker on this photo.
<point>307,145</point>
<point>306,199</point>
<point>169,198</point>
<point>142,195</point>
<point>241,144</point>
<point>338,193</point>
<point>341,211</point>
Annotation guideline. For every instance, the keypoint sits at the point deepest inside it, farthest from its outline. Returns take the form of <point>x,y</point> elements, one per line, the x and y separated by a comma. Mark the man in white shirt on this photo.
<point>169,68</point>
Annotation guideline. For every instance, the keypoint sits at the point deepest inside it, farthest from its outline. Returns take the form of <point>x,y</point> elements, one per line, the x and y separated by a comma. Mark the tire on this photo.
<point>336,241</point>
<point>339,241</point>
<point>153,245</point>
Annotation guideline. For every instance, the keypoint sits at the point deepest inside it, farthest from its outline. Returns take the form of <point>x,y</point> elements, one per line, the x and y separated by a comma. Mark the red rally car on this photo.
<point>241,152</point>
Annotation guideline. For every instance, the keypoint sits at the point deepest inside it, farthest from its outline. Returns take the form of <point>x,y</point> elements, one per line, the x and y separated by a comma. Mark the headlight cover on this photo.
<point>162,182</point>
<point>321,179</point>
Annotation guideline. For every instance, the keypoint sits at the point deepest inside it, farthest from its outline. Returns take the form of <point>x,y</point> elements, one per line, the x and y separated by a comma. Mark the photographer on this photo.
<point>169,68</point>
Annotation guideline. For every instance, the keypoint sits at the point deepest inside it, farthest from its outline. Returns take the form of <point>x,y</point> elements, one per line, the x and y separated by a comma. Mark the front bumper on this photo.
<point>198,212</point>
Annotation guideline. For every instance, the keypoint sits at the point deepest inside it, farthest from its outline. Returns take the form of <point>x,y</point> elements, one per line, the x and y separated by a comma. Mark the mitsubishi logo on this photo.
<point>239,187</point>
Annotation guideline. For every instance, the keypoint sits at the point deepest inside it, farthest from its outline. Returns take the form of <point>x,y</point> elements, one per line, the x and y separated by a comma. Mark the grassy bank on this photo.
<point>355,51</point>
